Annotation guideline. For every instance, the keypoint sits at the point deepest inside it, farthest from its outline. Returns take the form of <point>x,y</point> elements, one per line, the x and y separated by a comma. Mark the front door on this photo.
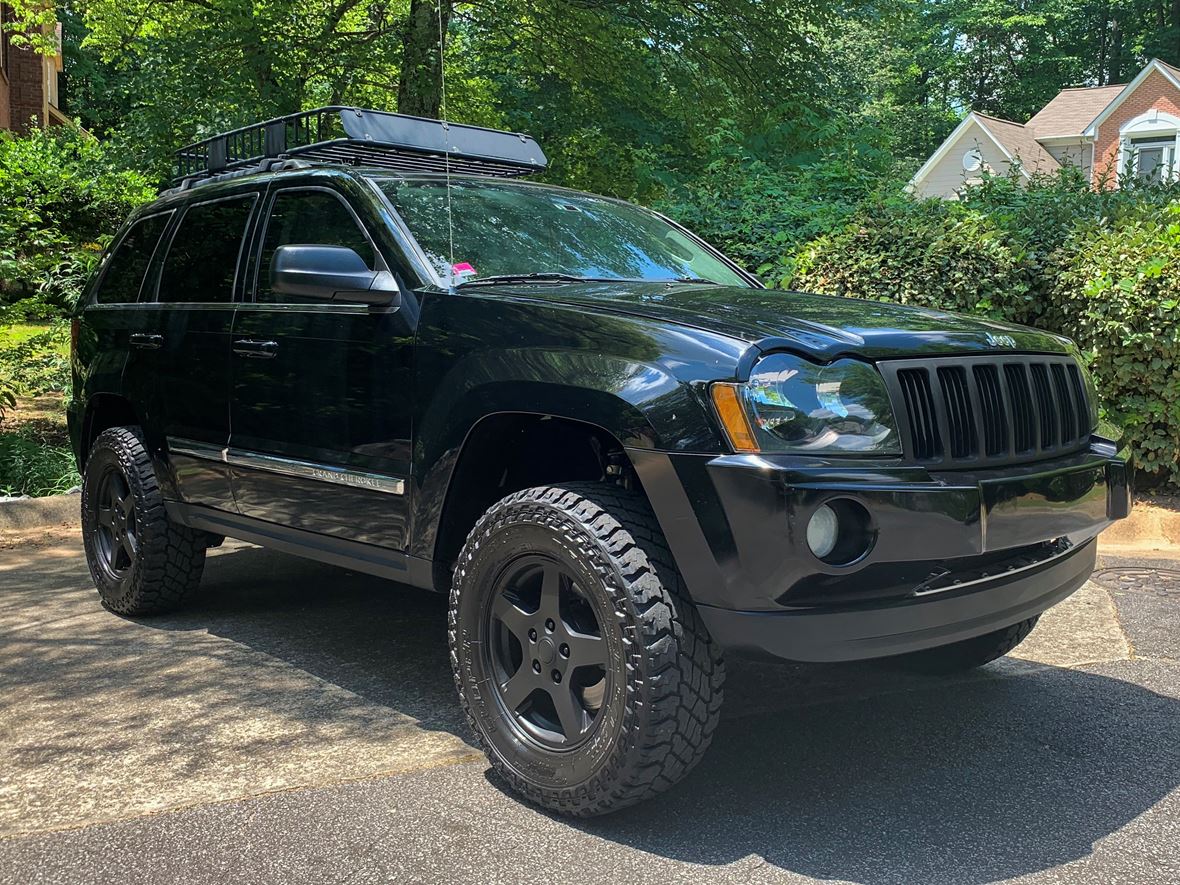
<point>190,344</point>
<point>321,391</point>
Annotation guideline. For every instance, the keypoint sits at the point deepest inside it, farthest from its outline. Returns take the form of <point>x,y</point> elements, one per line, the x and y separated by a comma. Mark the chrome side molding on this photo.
<point>376,482</point>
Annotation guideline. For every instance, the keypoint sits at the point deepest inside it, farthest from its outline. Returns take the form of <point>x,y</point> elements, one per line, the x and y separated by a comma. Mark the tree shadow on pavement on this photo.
<point>990,779</point>
<point>842,772</point>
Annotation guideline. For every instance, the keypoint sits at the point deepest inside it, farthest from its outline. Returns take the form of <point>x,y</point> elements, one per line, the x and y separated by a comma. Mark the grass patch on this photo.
<point>11,336</point>
<point>35,454</point>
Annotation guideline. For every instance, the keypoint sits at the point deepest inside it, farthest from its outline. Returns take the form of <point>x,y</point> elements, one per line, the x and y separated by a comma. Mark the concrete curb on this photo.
<point>32,513</point>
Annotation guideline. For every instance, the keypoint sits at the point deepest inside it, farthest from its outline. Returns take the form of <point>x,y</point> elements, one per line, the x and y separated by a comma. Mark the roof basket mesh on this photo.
<point>358,137</point>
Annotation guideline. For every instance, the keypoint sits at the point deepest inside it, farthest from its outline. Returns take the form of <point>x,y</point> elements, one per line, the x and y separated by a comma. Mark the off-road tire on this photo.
<point>169,558</point>
<point>969,653</point>
<point>666,692</point>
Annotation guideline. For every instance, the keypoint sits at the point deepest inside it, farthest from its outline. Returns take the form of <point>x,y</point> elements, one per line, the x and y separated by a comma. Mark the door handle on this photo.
<point>257,350</point>
<point>145,341</point>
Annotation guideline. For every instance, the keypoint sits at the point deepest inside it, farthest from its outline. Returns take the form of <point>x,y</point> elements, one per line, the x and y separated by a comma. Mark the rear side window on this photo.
<point>125,268</point>
<point>309,218</point>
<point>202,261</point>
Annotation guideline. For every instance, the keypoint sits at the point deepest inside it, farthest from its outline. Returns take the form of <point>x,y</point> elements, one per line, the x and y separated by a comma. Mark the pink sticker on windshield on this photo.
<point>463,269</point>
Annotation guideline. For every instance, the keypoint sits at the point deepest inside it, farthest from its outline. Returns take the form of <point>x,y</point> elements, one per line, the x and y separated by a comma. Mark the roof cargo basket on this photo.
<point>358,137</point>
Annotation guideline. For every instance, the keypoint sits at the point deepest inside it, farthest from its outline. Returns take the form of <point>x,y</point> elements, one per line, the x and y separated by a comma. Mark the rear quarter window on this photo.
<point>122,278</point>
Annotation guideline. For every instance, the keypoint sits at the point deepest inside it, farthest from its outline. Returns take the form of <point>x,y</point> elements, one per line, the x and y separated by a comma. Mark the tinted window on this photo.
<point>308,218</point>
<point>203,257</point>
<point>129,262</point>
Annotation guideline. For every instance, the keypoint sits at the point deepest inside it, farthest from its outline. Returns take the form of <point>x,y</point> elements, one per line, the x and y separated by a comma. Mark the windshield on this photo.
<point>500,229</point>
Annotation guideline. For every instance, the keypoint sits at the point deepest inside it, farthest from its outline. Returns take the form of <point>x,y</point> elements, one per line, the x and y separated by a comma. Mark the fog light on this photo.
<point>823,531</point>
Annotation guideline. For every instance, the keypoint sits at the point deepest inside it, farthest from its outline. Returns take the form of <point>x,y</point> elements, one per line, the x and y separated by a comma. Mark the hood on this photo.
<point>820,325</point>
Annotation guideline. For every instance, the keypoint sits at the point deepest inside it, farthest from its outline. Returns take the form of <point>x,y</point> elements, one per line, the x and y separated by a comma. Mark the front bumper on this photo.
<point>954,554</point>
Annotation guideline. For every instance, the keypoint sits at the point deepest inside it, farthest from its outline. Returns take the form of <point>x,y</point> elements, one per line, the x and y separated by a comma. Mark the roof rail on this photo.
<point>358,137</point>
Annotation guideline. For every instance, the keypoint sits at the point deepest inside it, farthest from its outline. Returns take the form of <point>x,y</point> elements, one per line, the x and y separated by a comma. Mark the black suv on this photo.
<point>615,450</point>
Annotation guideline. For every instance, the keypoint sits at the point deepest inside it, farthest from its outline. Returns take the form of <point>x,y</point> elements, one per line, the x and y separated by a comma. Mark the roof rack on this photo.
<point>358,137</point>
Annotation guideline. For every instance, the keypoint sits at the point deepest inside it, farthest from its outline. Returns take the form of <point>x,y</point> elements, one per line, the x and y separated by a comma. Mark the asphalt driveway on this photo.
<point>298,725</point>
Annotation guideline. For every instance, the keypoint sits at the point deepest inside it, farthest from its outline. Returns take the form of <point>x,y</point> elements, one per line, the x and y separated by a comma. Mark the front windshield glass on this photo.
<point>501,229</point>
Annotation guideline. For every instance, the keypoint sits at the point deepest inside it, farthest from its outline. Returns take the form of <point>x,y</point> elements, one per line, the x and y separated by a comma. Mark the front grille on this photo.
<point>989,410</point>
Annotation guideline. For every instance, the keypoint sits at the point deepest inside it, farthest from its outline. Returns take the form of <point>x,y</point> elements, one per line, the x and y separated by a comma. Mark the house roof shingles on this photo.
<point>1072,110</point>
<point>1018,141</point>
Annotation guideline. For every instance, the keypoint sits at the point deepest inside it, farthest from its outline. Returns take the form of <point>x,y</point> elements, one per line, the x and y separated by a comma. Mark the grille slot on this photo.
<point>989,410</point>
<point>1069,421</point>
<point>1046,411</point>
<point>919,403</point>
<point>960,420</point>
<point>1081,402</point>
<point>1024,429</point>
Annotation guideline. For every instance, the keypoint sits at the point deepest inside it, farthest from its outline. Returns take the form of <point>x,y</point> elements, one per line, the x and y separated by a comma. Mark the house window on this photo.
<point>1154,159</point>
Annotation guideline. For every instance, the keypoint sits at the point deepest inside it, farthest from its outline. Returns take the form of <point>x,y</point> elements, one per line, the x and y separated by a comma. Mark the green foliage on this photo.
<point>40,363</point>
<point>1118,290</point>
<point>33,464</point>
<point>61,197</point>
<point>761,212</point>
<point>1100,267</point>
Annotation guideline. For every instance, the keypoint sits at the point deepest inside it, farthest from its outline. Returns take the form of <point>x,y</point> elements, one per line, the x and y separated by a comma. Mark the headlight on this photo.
<point>792,405</point>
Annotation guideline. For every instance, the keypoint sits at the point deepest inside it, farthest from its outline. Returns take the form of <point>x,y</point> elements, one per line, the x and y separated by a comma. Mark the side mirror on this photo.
<point>330,273</point>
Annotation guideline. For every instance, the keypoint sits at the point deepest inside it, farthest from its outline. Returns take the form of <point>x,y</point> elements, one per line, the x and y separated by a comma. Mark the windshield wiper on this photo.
<point>527,278</point>
<point>700,280</point>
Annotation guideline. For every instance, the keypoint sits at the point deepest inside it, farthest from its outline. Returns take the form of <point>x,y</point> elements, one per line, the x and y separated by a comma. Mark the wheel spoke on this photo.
<point>569,711</point>
<point>514,618</point>
<point>551,592</point>
<point>127,541</point>
<point>518,687</point>
<point>586,650</point>
<point>106,517</point>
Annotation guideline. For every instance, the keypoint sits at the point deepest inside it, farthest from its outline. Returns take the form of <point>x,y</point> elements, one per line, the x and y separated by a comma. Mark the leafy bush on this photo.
<point>1118,294</point>
<point>62,195</point>
<point>1100,267</point>
<point>29,465</point>
<point>40,363</point>
<point>930,254</point>
<point>760,210</point>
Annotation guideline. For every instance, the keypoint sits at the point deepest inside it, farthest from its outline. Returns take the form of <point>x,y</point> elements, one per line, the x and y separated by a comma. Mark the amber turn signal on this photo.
<point>727,401</point>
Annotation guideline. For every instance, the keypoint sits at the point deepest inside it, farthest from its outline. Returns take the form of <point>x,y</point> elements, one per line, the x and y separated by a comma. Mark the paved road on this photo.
<point>297,725</point>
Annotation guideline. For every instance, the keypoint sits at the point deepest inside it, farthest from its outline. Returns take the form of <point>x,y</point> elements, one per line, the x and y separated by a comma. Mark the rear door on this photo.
<point>321,390</point>
<point>110,345</point>
<point>197,285</point>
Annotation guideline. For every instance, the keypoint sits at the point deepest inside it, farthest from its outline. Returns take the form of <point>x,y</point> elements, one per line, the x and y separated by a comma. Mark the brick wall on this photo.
<point>4,50</point>
<point>1155,92</point>
<point>26,96</point>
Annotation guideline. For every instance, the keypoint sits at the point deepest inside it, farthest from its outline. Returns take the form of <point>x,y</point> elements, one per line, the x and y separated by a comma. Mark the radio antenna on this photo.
<point>442,80</point>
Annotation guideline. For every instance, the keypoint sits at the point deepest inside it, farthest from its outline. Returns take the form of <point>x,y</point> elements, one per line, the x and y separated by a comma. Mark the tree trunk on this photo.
<point>420,88</point>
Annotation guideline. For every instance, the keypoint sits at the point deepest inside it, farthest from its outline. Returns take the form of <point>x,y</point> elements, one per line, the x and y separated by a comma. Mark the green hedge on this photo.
<point>1102,268</point>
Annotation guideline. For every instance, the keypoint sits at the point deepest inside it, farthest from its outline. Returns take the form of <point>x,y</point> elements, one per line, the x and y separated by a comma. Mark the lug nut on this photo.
<point>565,650</point>
<point>532,635</point>
<point>536,666</point>
<point>550,626</point>
<point>557,676</point>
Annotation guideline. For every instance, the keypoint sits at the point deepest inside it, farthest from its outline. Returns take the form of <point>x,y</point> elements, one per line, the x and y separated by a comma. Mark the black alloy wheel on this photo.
<point>141,562</point>
<point>546,650</point>
<point>582,665</point>
<point>113,508</point>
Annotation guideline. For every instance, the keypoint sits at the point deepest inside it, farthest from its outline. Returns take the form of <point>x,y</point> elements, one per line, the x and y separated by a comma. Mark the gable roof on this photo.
<point>1013,140</point>
<point>1171,74</point>
<point>1019,143</point>
<point>1072,110</point>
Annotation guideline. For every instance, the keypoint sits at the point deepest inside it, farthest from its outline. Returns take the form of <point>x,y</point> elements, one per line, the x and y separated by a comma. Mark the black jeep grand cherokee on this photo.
<point>613,448</point>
